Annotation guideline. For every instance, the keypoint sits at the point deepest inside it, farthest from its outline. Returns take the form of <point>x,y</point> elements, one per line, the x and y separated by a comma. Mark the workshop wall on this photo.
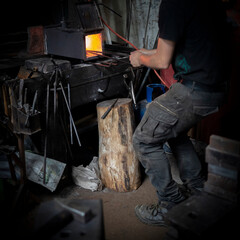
<point>138,21</point>
<point>135,20</point>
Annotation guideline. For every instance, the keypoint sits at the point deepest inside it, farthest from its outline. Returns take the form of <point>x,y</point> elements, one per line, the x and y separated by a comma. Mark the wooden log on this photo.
<point>119,166</point>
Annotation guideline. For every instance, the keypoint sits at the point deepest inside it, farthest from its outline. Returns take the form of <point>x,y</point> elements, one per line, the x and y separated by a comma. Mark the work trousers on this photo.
<point>168,119</point>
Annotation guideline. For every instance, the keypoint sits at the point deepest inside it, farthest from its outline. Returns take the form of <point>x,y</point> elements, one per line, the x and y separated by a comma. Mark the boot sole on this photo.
<point>162,224</point>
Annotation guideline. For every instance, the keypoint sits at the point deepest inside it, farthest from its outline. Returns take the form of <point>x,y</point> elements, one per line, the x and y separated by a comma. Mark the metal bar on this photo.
<point>55,97</point>
<point>143,82</point>
<point>25,96</point>
<point>100,54</point>
<point>109,109</point>
<point>20,97</point>
<point>70,122</point>
<point>70,114</point>
<point>34,101</point>
<point>133,95</point>
<point>46,133</point>
<point>20,138</point>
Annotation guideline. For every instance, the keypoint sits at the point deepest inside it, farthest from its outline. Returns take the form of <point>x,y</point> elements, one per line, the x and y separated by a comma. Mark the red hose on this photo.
<point>131,45</point>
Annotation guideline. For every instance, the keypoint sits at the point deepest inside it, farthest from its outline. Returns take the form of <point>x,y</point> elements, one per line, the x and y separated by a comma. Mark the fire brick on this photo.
<point>225,144</point>
<point>223,182</point>
<point>223,158</point>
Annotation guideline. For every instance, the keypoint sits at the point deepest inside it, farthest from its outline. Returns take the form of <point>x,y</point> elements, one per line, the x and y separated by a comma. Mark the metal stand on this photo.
<point>56,84</point>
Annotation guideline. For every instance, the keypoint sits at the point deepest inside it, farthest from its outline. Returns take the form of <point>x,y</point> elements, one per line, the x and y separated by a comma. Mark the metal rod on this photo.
<point>45,141</point>
<point>109,109</point>
<point>55,97</point>
<point>100,54</point>
<point>143,82</point>
<point>70,114</point>
<point>119,54</point>
<point>70,122</point>
<point>20,97</point>
<point>25,96</point>
<point>34,101</point>
<point>133,95</point>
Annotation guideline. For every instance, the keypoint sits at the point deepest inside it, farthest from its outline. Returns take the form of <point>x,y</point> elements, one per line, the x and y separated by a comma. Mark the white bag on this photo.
<point>88,177</point>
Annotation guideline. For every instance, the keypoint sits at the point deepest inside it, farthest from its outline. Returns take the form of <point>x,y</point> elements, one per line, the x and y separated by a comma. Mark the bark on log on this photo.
<point>119,166</point>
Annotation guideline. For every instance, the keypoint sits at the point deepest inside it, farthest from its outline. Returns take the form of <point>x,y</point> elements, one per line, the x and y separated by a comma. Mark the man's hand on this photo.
<point>159,58</point>
<point>135,58</point>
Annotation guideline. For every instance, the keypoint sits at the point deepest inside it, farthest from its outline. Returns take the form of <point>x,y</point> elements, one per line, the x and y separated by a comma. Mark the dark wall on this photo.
<point>18,15</point>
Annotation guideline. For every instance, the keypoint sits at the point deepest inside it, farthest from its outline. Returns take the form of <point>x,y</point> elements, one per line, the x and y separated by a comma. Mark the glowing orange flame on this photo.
<point>93,43</point>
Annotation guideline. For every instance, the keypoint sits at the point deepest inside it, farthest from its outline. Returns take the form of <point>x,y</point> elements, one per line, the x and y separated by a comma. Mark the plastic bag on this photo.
<point>88,177</point>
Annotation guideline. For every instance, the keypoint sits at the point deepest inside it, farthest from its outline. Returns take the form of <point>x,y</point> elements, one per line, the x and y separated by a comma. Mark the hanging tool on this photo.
<point>109,109</point>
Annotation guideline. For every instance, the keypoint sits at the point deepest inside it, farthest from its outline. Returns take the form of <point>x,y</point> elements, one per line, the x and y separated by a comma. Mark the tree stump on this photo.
<point>119,166</point>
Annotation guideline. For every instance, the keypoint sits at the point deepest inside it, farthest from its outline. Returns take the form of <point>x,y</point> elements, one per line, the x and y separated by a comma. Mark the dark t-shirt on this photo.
<point>197,27</point>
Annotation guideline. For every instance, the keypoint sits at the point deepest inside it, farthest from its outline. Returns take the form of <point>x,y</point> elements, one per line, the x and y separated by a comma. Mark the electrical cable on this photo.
<point>132,46</point>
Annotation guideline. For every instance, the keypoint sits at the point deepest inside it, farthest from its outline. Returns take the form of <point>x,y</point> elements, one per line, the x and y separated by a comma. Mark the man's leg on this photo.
<point>157,167</point>
<point>165,118</point>
<point>151,133</point>
<point>189,165</point>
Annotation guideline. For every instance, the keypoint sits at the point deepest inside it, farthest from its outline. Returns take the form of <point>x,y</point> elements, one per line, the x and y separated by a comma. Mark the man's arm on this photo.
<point>159,58</point>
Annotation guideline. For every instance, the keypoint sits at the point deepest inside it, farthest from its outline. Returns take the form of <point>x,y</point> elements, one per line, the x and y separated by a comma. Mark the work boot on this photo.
<point>153,214</point>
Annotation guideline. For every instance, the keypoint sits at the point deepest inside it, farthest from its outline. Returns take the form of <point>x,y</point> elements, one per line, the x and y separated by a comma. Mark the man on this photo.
<point>191,37</point>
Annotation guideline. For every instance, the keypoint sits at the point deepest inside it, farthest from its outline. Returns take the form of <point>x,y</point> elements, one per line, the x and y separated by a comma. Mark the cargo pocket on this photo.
<point>204,111</point>
<point>159,122</point>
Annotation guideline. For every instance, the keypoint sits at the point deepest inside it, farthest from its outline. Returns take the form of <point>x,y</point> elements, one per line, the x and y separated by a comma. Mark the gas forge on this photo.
<point>82,43</point>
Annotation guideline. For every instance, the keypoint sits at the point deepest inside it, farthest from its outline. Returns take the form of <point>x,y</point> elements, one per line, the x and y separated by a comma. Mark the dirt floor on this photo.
<point>120,221</point>
<point>119,217</point>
